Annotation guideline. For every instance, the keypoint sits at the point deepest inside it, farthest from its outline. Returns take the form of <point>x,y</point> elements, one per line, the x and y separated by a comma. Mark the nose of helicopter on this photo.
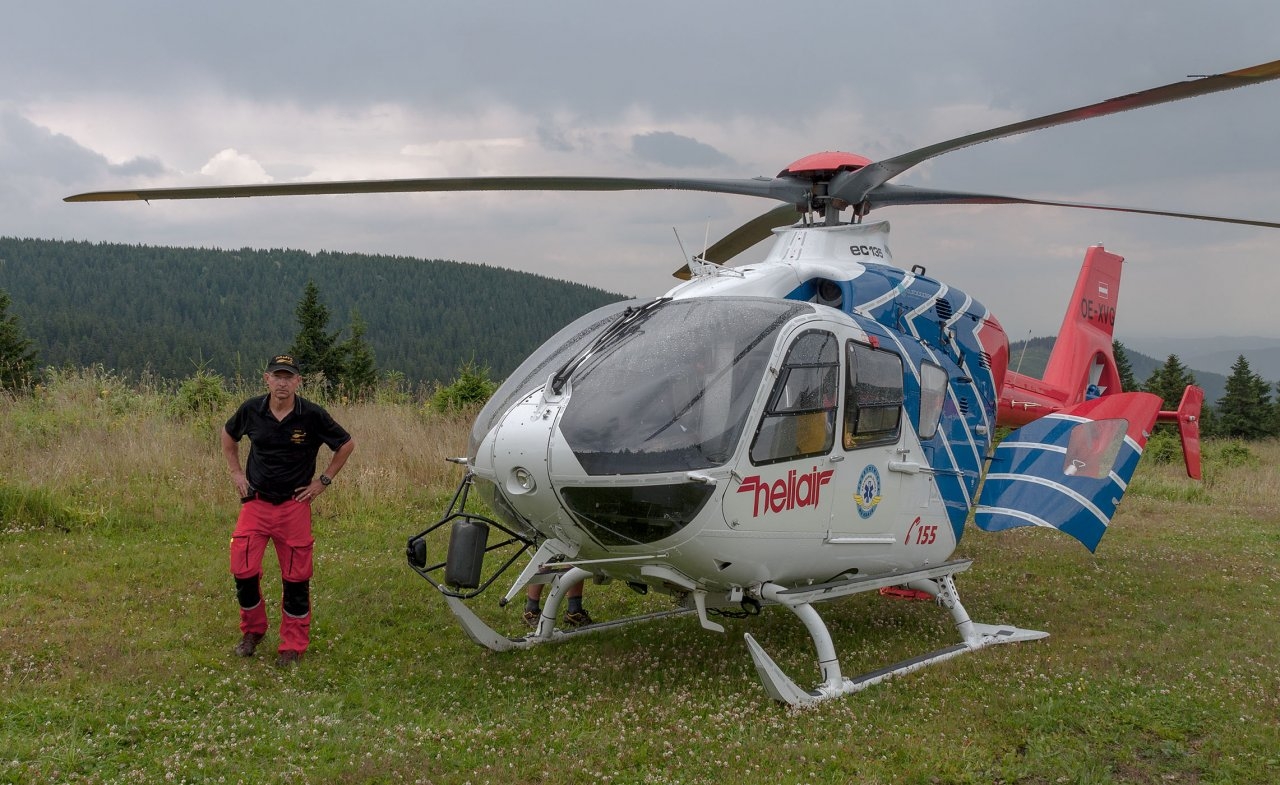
<point>515,459</point>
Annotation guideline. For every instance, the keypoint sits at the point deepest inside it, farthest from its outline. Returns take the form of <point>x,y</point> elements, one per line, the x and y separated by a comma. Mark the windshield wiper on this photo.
<point>610,335</point>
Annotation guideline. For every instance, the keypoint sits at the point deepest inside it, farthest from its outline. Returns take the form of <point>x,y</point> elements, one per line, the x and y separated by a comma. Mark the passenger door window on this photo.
<point>873,395</point>
<point>933,393</point>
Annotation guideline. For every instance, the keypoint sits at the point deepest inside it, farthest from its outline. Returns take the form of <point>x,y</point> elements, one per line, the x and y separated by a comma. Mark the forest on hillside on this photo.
<point>171,311</point>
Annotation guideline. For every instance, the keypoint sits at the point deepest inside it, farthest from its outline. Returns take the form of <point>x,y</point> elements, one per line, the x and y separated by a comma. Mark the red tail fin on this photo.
<point>1082,365</point>
<point>1082,353</point>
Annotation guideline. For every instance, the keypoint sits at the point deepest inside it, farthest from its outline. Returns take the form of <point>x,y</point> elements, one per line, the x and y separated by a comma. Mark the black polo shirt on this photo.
<point>282,453</point>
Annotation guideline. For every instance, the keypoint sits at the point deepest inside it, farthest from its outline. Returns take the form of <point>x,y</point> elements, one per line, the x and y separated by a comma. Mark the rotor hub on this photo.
<point>824,166</point>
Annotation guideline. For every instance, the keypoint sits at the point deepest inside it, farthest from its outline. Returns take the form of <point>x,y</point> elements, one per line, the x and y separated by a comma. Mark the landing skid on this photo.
<point>936,581</point>
<point>546,631</point>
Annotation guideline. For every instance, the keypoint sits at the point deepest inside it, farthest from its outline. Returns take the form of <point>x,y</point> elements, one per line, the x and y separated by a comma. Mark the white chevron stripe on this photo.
<point>1083,501</point>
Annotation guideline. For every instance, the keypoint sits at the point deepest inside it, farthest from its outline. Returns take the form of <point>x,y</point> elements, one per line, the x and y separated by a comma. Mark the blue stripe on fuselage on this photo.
<point>903,312</point>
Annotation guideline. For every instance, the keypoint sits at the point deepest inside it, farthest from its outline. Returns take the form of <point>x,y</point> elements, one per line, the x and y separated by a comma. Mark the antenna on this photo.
<point>683,253</point>
<point>1023,353</point>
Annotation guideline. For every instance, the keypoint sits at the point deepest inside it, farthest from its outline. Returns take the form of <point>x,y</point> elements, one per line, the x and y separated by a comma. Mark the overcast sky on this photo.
<point>97,95</point>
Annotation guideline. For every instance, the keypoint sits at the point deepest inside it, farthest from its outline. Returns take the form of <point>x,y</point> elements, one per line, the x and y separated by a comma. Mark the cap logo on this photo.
<point>283,362</point>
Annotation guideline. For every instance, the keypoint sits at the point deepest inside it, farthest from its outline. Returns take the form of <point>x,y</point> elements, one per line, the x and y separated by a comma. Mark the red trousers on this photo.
<point>288,527</point>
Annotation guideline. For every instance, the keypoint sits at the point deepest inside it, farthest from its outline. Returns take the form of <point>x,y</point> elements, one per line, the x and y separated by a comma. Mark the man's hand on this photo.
<point>241,482</point>
<point>309,492</point>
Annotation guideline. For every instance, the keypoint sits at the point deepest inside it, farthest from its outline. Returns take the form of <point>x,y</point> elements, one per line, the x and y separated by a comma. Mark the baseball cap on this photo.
<point>283,362</point>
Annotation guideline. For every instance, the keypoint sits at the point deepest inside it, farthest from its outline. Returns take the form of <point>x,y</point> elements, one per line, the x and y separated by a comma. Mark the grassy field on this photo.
<point>117,618</point>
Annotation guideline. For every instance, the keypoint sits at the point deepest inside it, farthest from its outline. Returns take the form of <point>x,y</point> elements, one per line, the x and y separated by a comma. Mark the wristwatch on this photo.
<point>325,479</point>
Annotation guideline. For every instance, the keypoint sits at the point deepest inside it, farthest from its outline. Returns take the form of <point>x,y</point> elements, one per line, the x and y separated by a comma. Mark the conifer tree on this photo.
<point>471,388</point>
<point>1275,413</point>
<point>1244,411</point>
<point>1127,382</point>
<point>17,358</point>
<point>1170,381</point>
<point>1208,420</point>
<point>314,347</point>
<point>360,370</point>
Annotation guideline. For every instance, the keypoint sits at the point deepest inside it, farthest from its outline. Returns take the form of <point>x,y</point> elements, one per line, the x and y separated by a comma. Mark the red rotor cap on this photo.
<point>825,163</point>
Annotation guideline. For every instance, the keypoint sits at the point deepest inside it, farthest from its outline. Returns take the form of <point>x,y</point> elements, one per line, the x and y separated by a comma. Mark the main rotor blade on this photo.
<point>890,195</point>
<point>853,187</point>
<point>784,190</point>
<point>750,233</point>
<point>743,237</point>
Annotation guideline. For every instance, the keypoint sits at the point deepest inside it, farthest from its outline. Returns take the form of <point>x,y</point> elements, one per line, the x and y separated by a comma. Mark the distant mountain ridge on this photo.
<point>1218,353</point>
<point>1031,356</point>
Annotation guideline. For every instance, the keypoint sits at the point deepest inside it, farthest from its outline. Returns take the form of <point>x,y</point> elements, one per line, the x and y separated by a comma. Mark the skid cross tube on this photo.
<point>936,581</point>
<point>546,631</point>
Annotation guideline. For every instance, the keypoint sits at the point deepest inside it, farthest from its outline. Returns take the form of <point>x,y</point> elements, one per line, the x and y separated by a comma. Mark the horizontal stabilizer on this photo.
<point>1188,419</point>
<point>1068,470</point>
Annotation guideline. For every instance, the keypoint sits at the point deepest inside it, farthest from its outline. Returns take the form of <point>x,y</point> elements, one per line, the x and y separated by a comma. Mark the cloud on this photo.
<point>104,98</point>
<point>671,149</point>
<point>232,166</point>
<point>141,166</point>
<point>554,139</point>
<point>30,150</point>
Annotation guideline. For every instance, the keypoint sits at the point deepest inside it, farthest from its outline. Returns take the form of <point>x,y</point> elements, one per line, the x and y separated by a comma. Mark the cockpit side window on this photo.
<point>873,397</point>
<point>800,417</point>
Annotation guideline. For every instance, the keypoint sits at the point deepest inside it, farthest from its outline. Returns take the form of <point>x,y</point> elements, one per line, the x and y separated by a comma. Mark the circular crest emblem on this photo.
<point>868,496</point>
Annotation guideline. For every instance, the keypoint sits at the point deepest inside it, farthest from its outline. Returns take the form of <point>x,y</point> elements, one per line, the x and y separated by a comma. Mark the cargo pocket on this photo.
<point>298,568</point>
<point>240,561</point>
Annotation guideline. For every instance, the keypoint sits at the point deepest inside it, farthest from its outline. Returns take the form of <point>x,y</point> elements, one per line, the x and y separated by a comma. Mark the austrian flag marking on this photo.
<point>796,490</point>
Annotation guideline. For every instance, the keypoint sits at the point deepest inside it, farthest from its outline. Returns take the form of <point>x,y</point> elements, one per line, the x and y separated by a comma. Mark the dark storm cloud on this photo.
<point>735,88</point>
<point>446,54</point>
<point>670,149</point>
<point>29,150</point>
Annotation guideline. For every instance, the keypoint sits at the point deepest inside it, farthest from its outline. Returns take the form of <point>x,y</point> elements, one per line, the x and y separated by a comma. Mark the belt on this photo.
<point>269,498</point>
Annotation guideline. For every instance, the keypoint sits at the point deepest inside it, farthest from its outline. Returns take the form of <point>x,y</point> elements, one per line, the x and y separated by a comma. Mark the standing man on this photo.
<point>276,490</point>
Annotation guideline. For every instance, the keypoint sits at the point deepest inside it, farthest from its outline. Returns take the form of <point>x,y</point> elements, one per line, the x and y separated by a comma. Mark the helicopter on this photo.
<point>818,424</point>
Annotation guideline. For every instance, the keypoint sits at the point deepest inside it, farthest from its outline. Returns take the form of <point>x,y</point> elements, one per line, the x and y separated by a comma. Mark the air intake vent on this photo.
<point>943,307</point>
<point>984,360</point>
<point>964,406</point>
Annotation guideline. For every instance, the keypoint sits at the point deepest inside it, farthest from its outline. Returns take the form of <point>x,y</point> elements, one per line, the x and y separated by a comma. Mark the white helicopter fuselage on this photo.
<point>690,467</point>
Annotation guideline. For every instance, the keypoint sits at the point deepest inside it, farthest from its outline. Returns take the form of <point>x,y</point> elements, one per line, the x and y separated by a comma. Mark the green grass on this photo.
<point>117,618</point>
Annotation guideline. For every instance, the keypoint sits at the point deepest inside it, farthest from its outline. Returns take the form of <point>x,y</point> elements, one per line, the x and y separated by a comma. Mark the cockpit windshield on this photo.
<point>671,390</point>
<point>535,369</point>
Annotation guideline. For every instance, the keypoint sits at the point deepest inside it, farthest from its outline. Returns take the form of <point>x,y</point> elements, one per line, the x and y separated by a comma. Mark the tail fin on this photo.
<point>1082,365</point>
<point>1082,354</point>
